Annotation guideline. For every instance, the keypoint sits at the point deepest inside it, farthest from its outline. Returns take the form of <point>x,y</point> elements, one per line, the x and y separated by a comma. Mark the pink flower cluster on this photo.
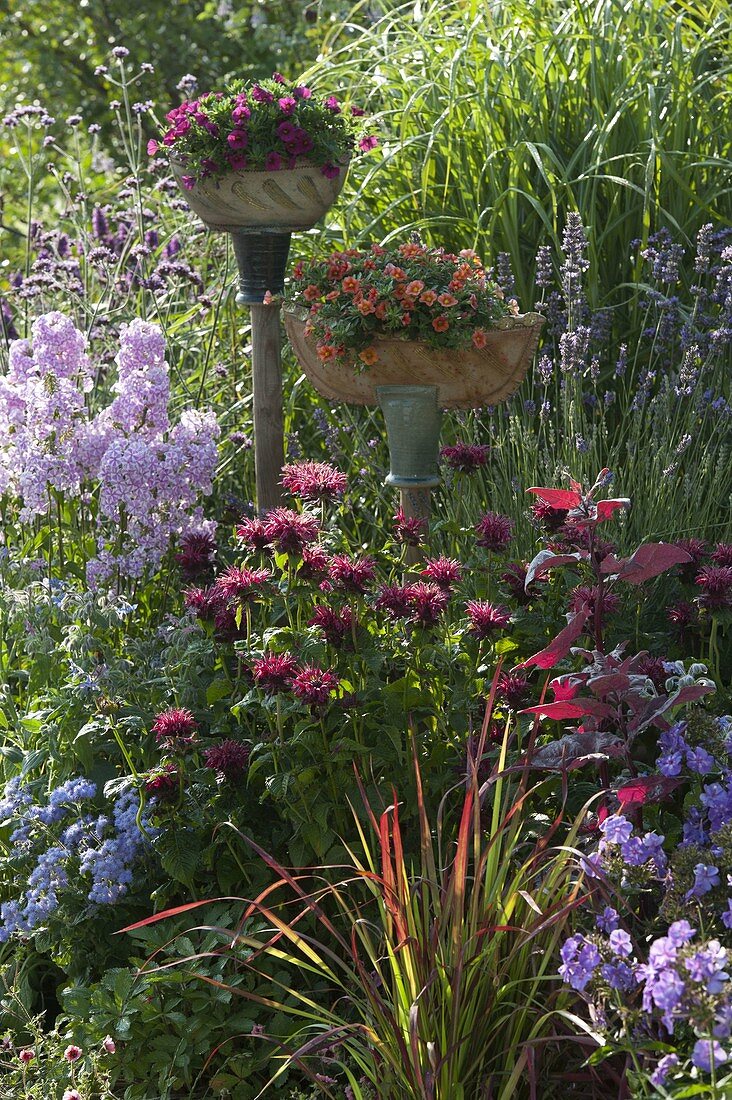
<point>139,478</point>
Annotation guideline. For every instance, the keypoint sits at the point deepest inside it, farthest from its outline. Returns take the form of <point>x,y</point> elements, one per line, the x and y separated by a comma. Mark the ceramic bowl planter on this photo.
<point>286,201</point>
<point>464,377</point>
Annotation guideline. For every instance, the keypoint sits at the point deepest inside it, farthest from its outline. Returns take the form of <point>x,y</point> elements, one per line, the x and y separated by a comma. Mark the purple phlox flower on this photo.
<point>726,916</point>
<point>616,829</point>
<point>621,942</point>
<point>706,1052</point>
<point>680,932</point>
<point>618,975</point>
<point>608,920</point>
<point>706,877</point>
<point>700,761</point>
<point>662,1070</point>
<point>707,966</point>
<point>580,959</point>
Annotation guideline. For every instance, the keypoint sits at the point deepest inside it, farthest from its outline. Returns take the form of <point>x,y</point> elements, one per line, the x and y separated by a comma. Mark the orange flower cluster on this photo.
<point>419,293</point>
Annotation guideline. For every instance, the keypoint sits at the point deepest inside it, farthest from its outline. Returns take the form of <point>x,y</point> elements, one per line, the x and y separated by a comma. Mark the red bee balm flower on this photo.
<point>274,672</point>
<point>444,572</point>
<point>229,759</point>
<point>239,586</point>
<point>465,457</point>
<point>494,531</point>
<point>351,575</point>
<point>486,619</point>
<point>408,529</point>
<point>174,727</point>
<point>162,783</point>
<point>337,626</point>
<point>196,554</point>
<point>715,582</point>
<point>314,685</point>
<point>427,602</point>
<point>289,531</point>
<point>394,599</point>
<point>314,481</point>
<point>253,532</point>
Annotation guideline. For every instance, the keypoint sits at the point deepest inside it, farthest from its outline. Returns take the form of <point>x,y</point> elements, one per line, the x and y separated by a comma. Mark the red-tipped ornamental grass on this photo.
<point>435,958</point>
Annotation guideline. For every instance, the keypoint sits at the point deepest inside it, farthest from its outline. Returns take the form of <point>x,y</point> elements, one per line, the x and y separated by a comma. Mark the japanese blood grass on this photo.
<point>503,117</point>
<point>434,975</point>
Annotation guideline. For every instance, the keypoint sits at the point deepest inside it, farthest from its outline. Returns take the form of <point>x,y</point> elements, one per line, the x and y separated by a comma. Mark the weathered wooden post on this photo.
<point>262,260</point>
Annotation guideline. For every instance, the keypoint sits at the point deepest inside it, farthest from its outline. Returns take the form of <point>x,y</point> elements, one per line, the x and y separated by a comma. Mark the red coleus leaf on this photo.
<point>605,508</point>
<point>558,711</point>
<point>646,789</point>
<point>648,561</point>
<point>558,498</point>
<point>566,709</point>
<point>567,687</point>
<point>546,560</point>
<point>560,646</point>
<point>576,749</point>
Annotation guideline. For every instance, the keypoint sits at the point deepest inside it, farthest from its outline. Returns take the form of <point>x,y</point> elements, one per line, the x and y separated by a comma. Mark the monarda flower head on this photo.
<point>336,626</point>
<point>204,601</point>
<point>486,618</point>
<point>513,689</point>
<point>175,727</point>
<point>351,575</point>
<point>274,672</point>
<point>238,586</point>
<point>494,532</point>
<point>722,553</point>
<point>314,564</point>
<point>585,595</point>
<point>466,458</point>
<point>514,578</point>
<point>427,603</point>
<point>715,582</point>
<point>444,572</point>
<point>229,759</point>
<point>196,554</point>
<point>696,549</point>
<point>314,481</point>
<point>162,783</point>
<point>314,686</point>
<point>408,529</point>
<point>253,532</point>
<point>551,519</point>
<point>290,531</point>
<point>395,600</point>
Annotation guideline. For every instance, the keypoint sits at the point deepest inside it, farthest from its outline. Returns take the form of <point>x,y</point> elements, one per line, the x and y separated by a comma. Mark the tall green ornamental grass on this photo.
<point>433,972</point>
<point>500,118</point>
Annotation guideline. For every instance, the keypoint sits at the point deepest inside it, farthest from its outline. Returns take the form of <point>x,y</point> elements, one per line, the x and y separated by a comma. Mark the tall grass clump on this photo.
<point>500,118</point>
<point>432,949</point>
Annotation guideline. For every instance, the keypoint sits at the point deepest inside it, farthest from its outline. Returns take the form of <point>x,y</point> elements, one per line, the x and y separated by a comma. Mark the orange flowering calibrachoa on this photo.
<point>418,293</point>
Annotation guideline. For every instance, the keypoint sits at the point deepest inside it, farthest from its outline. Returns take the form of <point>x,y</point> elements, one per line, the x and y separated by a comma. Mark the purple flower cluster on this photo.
<point>62,851</point>
<point>680,983</point>
<point>146,474</point>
